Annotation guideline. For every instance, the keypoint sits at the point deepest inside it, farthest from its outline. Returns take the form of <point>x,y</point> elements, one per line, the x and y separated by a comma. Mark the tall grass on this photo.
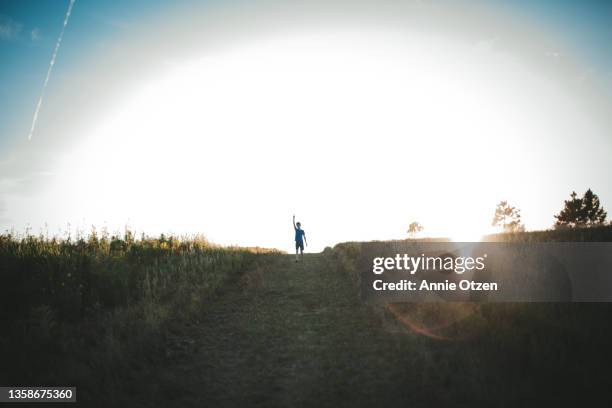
<point>347,255</point>
<point>351,258</point>
<point>95,305</point>
<point>501,354</point>
<point>592,234</point>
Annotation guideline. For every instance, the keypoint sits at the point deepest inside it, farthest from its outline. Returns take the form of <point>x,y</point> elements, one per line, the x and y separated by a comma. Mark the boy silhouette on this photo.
<point>300,239</point>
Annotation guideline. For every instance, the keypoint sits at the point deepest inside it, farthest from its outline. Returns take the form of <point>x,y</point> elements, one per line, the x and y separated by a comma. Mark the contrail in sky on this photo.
<point>51,64</point>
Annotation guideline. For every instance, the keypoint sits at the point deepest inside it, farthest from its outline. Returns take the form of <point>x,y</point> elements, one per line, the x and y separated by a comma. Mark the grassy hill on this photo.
<point>169,322</point>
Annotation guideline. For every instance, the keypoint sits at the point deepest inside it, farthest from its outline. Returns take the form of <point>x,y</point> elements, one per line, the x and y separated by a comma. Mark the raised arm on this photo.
<point>294,227</point>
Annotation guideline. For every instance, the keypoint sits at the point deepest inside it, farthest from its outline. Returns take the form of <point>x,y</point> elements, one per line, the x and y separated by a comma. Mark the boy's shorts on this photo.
<point>299,245</point>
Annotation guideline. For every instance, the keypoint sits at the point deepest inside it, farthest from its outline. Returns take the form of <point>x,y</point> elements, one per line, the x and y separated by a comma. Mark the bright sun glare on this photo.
<point>358,134</point>
<point>466,236</point>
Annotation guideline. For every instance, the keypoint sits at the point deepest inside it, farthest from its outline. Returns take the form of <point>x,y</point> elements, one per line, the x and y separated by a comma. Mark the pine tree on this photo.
<point>569,216</point>
<point>581,212</point>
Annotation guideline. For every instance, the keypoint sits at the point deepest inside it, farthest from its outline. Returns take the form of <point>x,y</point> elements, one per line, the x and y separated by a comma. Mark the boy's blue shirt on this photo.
<point>299,235</point>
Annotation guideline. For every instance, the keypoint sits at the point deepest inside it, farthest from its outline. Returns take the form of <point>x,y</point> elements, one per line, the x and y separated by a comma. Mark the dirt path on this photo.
<point>296,336</point>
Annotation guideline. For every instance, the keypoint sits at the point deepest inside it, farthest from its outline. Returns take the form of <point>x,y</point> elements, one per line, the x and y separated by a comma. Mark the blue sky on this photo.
<point>584,23</point>
<point>554,54</point>
<point>31,28</point>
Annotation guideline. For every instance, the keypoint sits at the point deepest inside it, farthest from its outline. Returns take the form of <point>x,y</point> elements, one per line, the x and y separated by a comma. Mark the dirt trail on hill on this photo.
<point>295,334</point>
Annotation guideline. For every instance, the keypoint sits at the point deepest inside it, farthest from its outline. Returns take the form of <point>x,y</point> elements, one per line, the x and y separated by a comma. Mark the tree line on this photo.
<point>577,212</point>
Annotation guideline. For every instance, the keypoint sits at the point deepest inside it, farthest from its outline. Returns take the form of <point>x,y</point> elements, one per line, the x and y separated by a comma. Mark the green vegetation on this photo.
<point>506,354</point>
<point>94,311</point>
<point>175,322</point>
<point>581,212</point>
<point>599,233</point>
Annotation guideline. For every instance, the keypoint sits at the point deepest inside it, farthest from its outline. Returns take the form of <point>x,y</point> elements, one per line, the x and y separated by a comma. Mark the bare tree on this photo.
<point>414,228</point>
<point>508,218</point>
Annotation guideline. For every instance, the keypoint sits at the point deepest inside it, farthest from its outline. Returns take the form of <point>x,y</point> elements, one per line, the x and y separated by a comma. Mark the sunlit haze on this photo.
<point>358,126</point>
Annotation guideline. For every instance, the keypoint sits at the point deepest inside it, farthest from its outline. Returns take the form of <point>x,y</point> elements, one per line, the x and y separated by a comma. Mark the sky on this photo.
<point>226,118</point>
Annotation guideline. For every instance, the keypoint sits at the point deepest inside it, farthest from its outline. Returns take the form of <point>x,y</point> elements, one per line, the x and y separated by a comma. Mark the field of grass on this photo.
<point>97,311</point>
<point>168,322</point>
